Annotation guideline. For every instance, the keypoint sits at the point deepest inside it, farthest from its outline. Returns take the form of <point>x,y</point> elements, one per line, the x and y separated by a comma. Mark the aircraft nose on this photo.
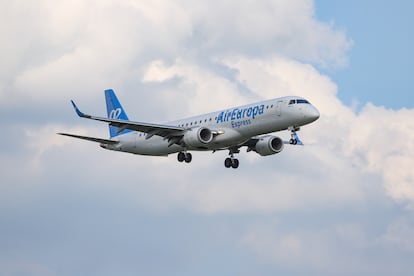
<point>313,114</point>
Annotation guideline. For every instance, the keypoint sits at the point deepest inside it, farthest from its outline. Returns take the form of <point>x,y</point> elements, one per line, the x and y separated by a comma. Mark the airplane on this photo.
<point>230,129</point>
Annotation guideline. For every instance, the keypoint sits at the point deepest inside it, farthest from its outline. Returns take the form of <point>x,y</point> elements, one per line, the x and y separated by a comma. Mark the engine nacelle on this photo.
<point>269,145</point>
<point>198,137</point>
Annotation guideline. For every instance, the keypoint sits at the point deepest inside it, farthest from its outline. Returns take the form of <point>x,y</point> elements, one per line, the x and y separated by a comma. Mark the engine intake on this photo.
<point>269,145</point>
<point>198,137</point>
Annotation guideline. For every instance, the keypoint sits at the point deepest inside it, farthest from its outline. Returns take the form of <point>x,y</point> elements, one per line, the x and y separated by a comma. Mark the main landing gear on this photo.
<point>184,156</point>
<point>231,162</point>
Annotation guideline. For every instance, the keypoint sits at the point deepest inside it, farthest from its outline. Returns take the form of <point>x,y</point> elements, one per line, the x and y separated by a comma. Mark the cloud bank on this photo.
<point>346,197</point>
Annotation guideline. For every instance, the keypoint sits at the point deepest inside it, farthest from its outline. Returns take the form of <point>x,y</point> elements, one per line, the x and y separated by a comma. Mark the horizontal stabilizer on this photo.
<point>93,139</point>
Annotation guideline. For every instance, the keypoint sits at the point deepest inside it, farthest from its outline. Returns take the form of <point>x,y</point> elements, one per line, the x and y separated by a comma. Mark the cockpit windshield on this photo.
<point>298,101</point>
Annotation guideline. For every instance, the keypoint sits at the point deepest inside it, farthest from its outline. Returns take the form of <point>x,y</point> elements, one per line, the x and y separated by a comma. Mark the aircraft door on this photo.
<point>279,108</point>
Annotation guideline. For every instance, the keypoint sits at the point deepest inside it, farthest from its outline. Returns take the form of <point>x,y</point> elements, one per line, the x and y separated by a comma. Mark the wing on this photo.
<point>93,139</point>
<point>165,131</point>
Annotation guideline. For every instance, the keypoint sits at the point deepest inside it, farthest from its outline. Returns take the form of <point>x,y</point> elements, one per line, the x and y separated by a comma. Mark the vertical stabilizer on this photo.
<point>115,111</point>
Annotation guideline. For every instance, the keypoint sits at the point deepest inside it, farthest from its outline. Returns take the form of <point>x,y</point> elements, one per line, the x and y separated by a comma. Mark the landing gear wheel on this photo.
<point>181,157</point>
<point>184,156</point>
<point>188,157</point>
<point>235,163</point>
<point>231,163</point>
<point>228,163</point>
<point>293,141</point>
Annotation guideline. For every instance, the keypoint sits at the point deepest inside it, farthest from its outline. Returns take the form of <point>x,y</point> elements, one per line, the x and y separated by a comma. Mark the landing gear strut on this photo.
<point>231,162</point>
<point>184,156</point>
<point>294,140</point>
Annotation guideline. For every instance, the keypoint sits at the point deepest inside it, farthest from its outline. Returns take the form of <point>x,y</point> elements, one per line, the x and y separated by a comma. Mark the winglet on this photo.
<point>80,114</point>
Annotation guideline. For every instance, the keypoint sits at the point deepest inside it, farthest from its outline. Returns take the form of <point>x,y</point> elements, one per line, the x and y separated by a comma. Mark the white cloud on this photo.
<point>73,48</point>
<point>338,248</point>
<point>196,87</point>
<point>382,141</point>
<point>341,143</point>
<point>260,28</point>
<point>137,28</point>
<point>183,58</point>
<point>376,140</point>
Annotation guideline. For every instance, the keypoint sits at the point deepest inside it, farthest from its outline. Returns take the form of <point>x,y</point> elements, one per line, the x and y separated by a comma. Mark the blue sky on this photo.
<point>341,205</point>
<point>381,59</point>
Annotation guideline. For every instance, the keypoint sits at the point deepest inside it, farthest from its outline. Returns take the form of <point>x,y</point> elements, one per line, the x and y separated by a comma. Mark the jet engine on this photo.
<point>198,137</point>
<point>269,145</point>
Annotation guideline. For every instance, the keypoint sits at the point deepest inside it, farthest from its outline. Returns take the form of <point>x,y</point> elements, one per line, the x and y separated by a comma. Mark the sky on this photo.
<point>341,205</point>
<point>379,64</point>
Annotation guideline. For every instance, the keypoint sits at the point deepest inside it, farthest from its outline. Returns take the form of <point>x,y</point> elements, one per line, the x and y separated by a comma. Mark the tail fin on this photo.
<point>115,111</point>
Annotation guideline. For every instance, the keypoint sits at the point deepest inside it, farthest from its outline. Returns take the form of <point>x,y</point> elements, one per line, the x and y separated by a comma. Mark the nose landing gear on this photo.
<point>294,140</point>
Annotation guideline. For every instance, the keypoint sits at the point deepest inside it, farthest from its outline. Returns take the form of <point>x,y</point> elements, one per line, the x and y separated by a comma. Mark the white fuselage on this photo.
<point>233,126</point>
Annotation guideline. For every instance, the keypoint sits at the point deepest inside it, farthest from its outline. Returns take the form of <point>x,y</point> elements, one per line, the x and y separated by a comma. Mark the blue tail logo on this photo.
<point>115,111</point>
